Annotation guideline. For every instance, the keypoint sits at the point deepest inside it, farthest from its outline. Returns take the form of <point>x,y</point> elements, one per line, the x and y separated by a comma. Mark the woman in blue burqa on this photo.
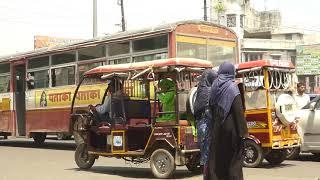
<point>229,127</point>
<point>202,113</point>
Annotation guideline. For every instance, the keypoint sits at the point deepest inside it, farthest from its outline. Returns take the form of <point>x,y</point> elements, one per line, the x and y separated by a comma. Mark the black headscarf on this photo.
<point>203,90</point>
<point>224,89</point>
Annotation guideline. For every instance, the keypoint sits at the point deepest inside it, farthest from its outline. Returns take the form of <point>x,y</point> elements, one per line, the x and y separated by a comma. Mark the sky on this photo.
<point>21,20</point>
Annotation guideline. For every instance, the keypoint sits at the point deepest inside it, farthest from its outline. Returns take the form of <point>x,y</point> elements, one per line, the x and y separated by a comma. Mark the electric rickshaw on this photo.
<point>267,88</point>
<point>135,130</point>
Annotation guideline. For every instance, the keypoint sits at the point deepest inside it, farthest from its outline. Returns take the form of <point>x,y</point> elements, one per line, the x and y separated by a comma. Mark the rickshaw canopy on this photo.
<point>265,63</point>
<point>185,62</point>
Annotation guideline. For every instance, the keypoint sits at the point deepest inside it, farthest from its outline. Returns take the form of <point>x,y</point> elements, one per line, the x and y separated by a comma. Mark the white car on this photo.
<point>308,129</point>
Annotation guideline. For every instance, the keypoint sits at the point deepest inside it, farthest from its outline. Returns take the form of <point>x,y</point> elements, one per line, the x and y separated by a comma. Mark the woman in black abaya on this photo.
<point>228,129</point>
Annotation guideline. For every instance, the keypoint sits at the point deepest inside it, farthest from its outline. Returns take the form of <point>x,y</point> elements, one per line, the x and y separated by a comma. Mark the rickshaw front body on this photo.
<point>267,87</point>
<point>136,132</point>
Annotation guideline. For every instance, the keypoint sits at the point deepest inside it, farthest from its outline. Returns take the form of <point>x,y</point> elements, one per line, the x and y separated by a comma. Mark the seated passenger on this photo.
<point>104,110</point>
<point>166,98</point>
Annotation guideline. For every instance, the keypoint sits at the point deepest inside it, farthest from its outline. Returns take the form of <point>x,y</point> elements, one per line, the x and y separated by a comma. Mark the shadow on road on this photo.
<point>54,145</point>
<point>308,157</point>
<point>267,165</point>
<point>135,172</point>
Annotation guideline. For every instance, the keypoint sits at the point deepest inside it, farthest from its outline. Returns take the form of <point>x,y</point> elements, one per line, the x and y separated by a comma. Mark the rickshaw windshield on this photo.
<point>91,91</point>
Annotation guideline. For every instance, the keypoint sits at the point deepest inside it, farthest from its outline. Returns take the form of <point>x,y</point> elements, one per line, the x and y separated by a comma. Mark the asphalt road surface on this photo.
<point>21,159</point>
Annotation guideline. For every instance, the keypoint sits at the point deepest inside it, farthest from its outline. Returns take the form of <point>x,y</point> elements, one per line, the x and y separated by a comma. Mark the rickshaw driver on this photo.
<point>102,111</point>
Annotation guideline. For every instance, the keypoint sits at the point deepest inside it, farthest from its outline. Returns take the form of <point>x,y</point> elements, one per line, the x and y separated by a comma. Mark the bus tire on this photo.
<point>39,138</point>
<point>276,156</point>
<point>292,153</point>
<point>162,163</point>
<point>252,155</point>
<point>83,159</point>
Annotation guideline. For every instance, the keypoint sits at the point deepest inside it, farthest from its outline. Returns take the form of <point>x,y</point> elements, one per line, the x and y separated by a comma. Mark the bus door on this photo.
<point>19,93</point>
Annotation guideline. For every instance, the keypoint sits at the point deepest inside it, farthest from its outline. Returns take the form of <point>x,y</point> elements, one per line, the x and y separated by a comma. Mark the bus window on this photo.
<point>118,48</point>
<point>4,83</point>
<point>220,51</point>
<point>150,57</point>
<point>85,67</point>
<point>66,57</point>
<point>38,75</point>
<point>119,61</point>
<point>91,53</point>
<point>191,47</point>
<point>153,43</point>
<point>63,76</point>
<point>38,79</point>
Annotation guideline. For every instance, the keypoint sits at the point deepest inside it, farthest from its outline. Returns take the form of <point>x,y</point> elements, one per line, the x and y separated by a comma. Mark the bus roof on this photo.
<point>115,37</point>
<point>265,63</point>
<point>187,62</point>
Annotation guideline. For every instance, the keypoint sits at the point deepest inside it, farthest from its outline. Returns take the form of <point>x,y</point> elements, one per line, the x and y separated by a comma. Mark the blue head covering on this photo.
<point>224,89</point>
<point>203,90</point>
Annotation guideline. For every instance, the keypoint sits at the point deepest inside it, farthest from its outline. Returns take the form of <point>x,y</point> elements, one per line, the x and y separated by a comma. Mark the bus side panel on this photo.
<point>48,120</point>
<point>6,121</point>
<point>7,113</point>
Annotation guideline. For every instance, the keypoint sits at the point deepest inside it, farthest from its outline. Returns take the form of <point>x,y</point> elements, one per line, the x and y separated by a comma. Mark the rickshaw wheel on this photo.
<point>39,138</point>
<point>194,164</point>
<point>252,155</point>
<point>292,153</point>
<point>276,157</point>
<point>162,163</point>
<point>82,158</point>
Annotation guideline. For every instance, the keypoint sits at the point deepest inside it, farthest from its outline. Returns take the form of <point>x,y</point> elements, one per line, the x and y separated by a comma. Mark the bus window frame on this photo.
<point>4,75</point>
<point>74,64</point>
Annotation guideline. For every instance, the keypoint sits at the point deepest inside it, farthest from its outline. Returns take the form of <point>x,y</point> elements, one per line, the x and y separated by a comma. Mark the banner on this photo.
<point>47,41</point>
<point>308,60</point>
<point>90,94</point>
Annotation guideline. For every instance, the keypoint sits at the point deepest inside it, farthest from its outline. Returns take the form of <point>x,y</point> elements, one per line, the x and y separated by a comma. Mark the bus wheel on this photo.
<point>83,159</point>
<point>162,163</point>
<point>276,157</point>
<point>39,138</point>
<point>253,154</point>
<point>292,153</point>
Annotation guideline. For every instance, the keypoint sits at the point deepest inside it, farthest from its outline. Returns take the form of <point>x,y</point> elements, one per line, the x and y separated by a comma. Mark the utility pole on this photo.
<point>123,23</point>
<point>95,18</point>
<point>205,10</point>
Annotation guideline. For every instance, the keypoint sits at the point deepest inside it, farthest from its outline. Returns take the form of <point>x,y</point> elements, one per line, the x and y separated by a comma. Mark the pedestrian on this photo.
<point>229,127</point>
<point>202,113</point>
<point>300,97</point>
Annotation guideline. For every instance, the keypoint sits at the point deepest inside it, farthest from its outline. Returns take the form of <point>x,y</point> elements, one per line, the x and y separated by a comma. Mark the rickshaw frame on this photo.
<point>173,139</point>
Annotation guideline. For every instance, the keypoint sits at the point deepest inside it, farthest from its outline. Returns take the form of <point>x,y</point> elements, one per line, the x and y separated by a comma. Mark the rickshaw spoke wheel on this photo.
<point>252,155</point>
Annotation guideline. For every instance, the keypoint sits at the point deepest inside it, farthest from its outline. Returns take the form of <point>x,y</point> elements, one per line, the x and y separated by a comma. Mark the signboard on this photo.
<point>47,41</point>
<point>63,97</point>
<point>308,60</point>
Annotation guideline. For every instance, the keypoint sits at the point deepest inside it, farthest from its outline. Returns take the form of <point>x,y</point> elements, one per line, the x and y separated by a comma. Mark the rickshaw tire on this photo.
<point>275,157</point>
<point>293,154</point>
<point>78,138</point>
<point>258,149</point>
<point>83,164</point>
<point>171,168</point>
<point>194,165</point>
<point>39,138</point>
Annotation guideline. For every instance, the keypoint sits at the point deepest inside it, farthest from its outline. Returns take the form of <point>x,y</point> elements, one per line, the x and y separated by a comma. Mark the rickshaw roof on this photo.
<point>185,62</point>
<point>265,63</point>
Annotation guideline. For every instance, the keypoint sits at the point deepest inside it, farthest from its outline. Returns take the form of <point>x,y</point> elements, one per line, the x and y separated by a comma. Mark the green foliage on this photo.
<point>219,7</point>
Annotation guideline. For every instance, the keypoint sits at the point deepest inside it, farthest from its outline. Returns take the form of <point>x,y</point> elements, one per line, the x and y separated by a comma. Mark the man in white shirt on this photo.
<point>301,98</point>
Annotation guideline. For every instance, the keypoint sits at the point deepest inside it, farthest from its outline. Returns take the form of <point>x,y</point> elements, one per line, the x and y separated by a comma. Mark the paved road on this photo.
<point>21,159</point>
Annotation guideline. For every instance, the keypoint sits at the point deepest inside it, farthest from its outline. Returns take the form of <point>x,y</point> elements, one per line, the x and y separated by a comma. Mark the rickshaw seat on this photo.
<point>138,122</point>
<point>104,129</point>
